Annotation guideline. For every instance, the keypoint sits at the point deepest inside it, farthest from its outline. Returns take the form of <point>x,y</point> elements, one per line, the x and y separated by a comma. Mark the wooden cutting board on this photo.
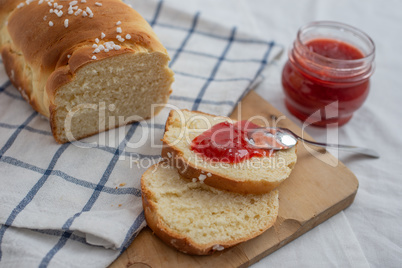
<point>318,188</point>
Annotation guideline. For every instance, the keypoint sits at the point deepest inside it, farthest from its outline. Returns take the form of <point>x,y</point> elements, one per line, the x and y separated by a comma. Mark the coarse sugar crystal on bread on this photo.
<point>252,176</point>
<point>198,219</point>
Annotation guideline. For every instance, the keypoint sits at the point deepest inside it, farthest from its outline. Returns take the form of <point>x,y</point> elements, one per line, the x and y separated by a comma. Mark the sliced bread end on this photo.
<point>197,219</point>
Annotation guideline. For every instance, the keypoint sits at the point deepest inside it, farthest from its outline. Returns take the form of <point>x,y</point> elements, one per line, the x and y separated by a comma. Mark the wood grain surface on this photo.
<point>318,188</point>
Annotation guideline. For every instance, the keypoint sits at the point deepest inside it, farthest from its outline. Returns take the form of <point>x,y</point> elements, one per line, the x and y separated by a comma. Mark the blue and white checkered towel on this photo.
<point>70,206</point>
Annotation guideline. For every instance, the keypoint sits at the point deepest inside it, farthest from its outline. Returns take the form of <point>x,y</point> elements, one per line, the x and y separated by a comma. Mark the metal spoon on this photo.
<point>283,138</point>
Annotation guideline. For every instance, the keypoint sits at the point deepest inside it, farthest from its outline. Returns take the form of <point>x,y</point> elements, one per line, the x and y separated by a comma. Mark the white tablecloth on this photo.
<point>369,232</point>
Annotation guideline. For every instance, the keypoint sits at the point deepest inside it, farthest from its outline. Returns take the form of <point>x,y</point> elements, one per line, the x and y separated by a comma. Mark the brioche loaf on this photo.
<point>198,219</point>
<point>252,176</point>
<point>86,65</point>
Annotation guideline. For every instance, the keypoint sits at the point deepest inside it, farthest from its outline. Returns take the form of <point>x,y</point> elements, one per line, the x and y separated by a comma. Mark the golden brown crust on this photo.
<point>178,241</point>
<point>45,45</point>
<point>6,6</point>
<point>191,172</point>
<point>14,70</point>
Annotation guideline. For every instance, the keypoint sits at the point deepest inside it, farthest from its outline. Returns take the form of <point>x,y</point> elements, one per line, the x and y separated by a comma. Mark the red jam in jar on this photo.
<point>334,49</point>
<point>327,75</point>
<point>226,142</point>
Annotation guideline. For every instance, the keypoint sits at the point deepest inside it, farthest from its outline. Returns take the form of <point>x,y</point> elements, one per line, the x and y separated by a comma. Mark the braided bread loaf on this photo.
<point>82,63</point>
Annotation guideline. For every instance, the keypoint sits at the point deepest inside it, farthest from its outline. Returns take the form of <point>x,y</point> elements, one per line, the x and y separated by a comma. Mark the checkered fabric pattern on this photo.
<point>75,205</point>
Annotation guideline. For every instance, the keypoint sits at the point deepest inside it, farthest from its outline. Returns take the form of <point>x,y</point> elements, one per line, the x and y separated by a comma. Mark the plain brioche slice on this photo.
<point>198,219</point>
<point>253,176</point>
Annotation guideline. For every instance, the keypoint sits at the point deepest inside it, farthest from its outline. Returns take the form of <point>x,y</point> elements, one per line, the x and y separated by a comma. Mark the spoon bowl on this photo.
<point>271,138</point>
<point>283,138</point>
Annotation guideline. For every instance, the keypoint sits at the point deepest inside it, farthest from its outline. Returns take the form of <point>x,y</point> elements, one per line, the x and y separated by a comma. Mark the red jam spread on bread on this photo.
<point>227,142</point>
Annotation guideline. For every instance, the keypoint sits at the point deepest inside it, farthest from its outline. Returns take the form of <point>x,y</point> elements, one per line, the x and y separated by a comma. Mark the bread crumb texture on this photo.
<point>206,216</point>
<point>126,85</point>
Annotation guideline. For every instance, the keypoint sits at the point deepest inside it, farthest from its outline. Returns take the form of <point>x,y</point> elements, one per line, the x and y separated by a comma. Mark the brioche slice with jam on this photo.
<point>198,219</point>
<point>255,175</point>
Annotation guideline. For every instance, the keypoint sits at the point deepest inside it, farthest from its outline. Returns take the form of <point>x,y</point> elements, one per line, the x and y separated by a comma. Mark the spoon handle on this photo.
<point>349,148</point>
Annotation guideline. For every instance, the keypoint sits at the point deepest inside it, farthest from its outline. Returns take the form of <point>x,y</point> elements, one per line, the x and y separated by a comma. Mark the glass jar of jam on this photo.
<point>327,75</point>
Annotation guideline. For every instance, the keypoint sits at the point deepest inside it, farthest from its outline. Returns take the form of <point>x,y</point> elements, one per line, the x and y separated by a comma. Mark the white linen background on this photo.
<point>369,232</point>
